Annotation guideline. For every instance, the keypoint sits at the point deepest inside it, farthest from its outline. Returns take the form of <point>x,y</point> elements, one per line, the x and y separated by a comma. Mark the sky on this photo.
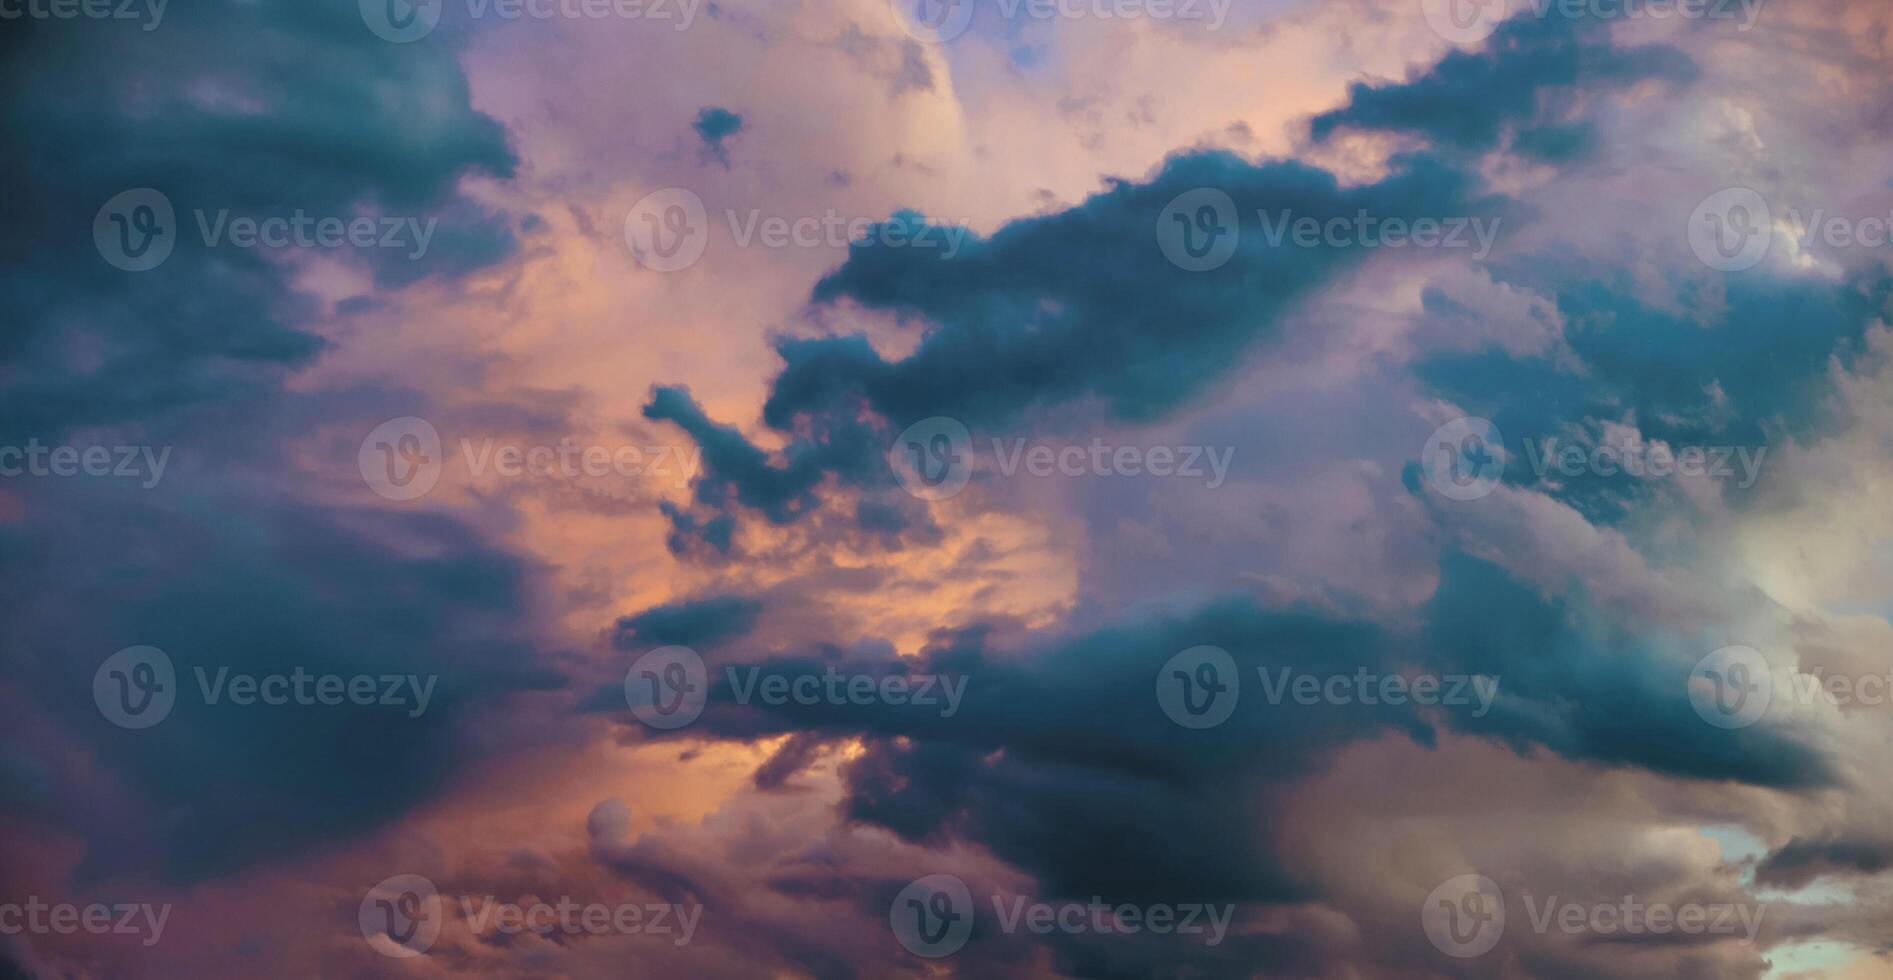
<point>1341,489</point>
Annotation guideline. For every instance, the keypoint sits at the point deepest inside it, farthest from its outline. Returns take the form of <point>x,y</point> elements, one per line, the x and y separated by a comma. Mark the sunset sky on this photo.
<point>1349,472</point>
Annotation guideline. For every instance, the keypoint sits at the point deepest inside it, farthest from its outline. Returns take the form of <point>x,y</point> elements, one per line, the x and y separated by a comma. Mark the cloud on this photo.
<point>1521,84</point>
<point>218,786</point>
<point>1075,307</point>
<point>221,123</point>
<point>715,125</point>
<point>705,622</point>
<point>1800,861</point>
<point>1021,771</point>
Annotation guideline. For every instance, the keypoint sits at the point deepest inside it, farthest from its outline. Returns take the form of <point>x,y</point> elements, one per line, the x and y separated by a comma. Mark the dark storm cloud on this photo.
<point>1582,683</point>
<point>1717,370</point>
<point>1800,861</point>
<point>219,786</point>
<point>1080,306</point>
<point>1083,304</point>
<point>1520,83</point>
<point>733,466</point>
<point>714,126</point>
<point>682,876</point>
<point>705,623</point>
<point>1065,788</point>
<point>1025,769</point>
<point>257,108</point>
<point>260,110</point>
